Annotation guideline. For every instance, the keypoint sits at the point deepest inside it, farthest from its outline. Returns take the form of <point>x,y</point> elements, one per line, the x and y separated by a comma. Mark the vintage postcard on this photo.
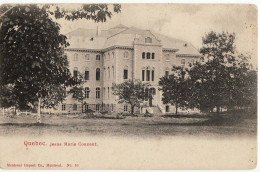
<point>128,86</point>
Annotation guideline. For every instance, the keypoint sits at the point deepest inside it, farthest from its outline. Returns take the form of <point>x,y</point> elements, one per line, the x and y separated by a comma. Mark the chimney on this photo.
<point>98,32</point>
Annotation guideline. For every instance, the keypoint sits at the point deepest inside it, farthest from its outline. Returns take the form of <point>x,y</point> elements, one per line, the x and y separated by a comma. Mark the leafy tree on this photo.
<point>218,52</point>
<point>32,60</point>
<point>221,78</point>
<point>77,91</point>
<point>175,88</point>
<point>131,92</point>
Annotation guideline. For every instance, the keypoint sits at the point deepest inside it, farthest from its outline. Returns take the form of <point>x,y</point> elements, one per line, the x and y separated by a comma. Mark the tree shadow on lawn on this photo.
<point>29,124</point>
<point>211,120</point>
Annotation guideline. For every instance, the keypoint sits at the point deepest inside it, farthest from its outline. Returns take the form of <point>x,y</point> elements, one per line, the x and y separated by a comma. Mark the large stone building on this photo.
<point>118,54</point>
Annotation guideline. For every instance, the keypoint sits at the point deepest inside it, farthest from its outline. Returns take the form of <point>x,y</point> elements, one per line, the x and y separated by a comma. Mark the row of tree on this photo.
<point>222,79</point>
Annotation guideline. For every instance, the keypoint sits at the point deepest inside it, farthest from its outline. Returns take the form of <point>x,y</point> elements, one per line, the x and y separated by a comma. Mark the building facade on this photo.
<point>118,54</point>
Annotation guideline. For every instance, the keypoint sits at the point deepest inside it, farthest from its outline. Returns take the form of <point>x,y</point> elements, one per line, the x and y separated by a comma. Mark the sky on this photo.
<point>188,22</point>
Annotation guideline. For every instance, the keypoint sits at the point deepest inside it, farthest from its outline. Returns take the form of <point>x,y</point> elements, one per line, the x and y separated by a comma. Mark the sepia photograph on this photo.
<point>128,86</point>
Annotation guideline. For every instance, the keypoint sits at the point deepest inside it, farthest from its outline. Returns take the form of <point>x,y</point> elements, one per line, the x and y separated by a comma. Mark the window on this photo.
<point>104,93</point>
<point>108,57</point>
<point>126,55</point>
<point>98,93</point>
<point>105,57</point>
<point>112,107</point>
<point>97,108</point>
<point>86,107</point>
<point>167,72</point>
<point>75,107</point>
<point>98,57</point>
<point>148,40</point>
<point>87,57</point>
<point>143,55</point>
<point>108,73</point>
<point>87,91</point>
<point>143,74</point>
<point>75,57</point>
<point>97,74</point>
<point>113,72</point>
<point>148,74</point>
<point>126,72</point>
<point>125,108</point>
<point>153,75</point>
<point>104,74</point>
<point>108,92</point>
<point>86,74</point>
<point>167,109</point>
<point>183,61</point>
<point>148,55</point>
<point>167,57</point>
<point>63,107</point>
<point>113,55</point>
<point>75,72</point>
<point>153,56</point>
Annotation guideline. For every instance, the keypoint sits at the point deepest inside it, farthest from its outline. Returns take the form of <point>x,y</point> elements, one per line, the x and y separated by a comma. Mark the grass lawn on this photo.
<point>216,125</point>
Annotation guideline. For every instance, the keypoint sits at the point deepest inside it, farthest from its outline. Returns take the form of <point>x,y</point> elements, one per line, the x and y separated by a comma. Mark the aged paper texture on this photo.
<point>128,86</point>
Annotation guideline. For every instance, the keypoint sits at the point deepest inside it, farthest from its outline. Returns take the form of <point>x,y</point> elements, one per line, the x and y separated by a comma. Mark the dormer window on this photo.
<point>148,40</point>
<point>92,39</point>
<point>185,44</point>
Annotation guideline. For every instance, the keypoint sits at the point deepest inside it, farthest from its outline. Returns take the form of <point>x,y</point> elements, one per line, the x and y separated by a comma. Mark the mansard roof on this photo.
<point>120,35</point>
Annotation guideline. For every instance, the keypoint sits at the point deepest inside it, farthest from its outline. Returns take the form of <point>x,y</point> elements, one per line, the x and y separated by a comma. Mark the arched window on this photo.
<point>126,55</point>
<point>86,57</point>
<point>153,56</point>
<point>153,74</point>
<point>98,93</point>
<point>148,55</point>
<point>75,57</point>
<point>108,73</point>
<point>167,57</point>
<point>143,73</point>
<point>148,71</point>
<point>86,74</point>
<point>105,73</point>
<point>108,92</point>
<point>104,93</point>
<point>113,72</point>
<point>87,91</point>
<point>75,72</point>
<point>113,55</point>
<point>143,55</point>
<point>167,71</point>
<point>97,74</point>
<point>98,57</point>
<point>148,40</point>
<point>126,72</point>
